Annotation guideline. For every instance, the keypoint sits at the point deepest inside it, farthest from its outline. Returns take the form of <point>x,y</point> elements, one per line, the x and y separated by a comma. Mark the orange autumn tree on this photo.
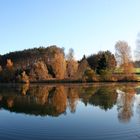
<point>9,64</point>
<point>39,71</point>
<point>56,62</point>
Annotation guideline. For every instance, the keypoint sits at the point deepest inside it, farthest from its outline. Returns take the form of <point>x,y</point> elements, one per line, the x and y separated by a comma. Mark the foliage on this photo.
<point>128,68</point>
<point>24,77</point>
<point>93,61</point>
<point>9,64</point>
<point>41,64</point>
<point>82,67</point>
<point>72,67</point>
<point>38,71</point>
<point>106,62</point>
<point>128,77</point>
<point>106,75</point>
<point>89,74</point>
<point>101,61</point>
<point>59,66</point>
<point>136,64</point>
<point>8,73</point>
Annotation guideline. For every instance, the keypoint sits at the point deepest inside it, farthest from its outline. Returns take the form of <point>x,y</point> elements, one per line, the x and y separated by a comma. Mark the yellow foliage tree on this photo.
<point>24,77</point>
<point>9,64</point>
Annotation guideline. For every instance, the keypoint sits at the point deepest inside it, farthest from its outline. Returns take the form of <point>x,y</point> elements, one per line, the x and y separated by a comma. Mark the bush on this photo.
<point>89,75</point>
<point>106,75</point>
<point>7,75</point>
<point>130,77</point>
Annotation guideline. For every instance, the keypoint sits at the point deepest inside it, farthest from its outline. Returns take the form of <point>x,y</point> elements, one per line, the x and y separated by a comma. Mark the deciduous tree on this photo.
<point>72,64</point>
<point>137,51</point>
<point>123,56</point>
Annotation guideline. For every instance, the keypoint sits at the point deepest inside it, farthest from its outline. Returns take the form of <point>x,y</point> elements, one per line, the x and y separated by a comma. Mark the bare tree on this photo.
<point>72,64</point>
<point>70,54</point>
<point>137,51</point>
<point>123,53</point>
<point>123,56</point>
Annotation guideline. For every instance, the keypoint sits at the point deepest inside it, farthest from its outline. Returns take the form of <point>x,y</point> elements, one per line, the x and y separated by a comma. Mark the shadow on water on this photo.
<point>51,100</point>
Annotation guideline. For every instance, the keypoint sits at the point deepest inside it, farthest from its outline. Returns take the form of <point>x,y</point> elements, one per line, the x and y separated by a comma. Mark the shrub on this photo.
<point>90,75</point>
<point>106,75</point>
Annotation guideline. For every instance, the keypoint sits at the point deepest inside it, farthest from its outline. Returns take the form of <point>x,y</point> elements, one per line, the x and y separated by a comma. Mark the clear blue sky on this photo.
<point>87,26</point>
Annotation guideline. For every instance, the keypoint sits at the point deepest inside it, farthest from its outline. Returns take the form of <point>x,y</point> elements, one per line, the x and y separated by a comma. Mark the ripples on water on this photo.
<point>107,111</point>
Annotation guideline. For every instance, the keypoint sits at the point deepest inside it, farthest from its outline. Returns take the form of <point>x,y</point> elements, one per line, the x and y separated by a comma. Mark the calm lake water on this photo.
<point>70,112</point>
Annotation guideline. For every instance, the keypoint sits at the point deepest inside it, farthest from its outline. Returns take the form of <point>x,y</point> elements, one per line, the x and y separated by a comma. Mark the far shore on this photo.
<point>78,81</point>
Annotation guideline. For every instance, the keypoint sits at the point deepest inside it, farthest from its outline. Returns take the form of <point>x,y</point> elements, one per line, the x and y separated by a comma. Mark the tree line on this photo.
<point>51,63</point>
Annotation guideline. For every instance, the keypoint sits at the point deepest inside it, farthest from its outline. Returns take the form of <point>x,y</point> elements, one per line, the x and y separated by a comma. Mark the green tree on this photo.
<point>101,61</point>
<point>106,75</point>
<point>93,61</point>
<point>106,61</point>
<point>89,74</point>
<point>104,97</point>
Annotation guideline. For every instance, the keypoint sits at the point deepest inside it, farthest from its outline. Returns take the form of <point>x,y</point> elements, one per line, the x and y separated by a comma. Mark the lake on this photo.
<point>70,111</point>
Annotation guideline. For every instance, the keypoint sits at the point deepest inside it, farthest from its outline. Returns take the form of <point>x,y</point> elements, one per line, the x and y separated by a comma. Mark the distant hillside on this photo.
<point>37,64</point>
<point>51,64</point>
<point>22,59</point>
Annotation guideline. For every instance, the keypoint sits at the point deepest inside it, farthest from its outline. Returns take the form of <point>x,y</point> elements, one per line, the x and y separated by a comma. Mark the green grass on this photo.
<point>118,70</point>
<point>137,70</point>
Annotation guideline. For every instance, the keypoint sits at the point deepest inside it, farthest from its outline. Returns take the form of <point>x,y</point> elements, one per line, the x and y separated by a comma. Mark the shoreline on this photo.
<point>69,82</point>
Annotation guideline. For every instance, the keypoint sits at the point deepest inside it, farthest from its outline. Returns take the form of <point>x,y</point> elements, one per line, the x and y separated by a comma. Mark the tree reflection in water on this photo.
<point>55,100</point>
<point>104,97</point>
<point>24,89</point>
<point>125,103</point>
<point>58,101</point>
<point>73,97</point>
<point>137,103</point>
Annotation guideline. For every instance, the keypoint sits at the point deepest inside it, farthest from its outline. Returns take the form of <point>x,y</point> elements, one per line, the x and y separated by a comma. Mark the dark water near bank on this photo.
<point>70,112</point>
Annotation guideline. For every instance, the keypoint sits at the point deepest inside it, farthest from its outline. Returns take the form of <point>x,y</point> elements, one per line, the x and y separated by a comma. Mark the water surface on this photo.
<point>70,112</point>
